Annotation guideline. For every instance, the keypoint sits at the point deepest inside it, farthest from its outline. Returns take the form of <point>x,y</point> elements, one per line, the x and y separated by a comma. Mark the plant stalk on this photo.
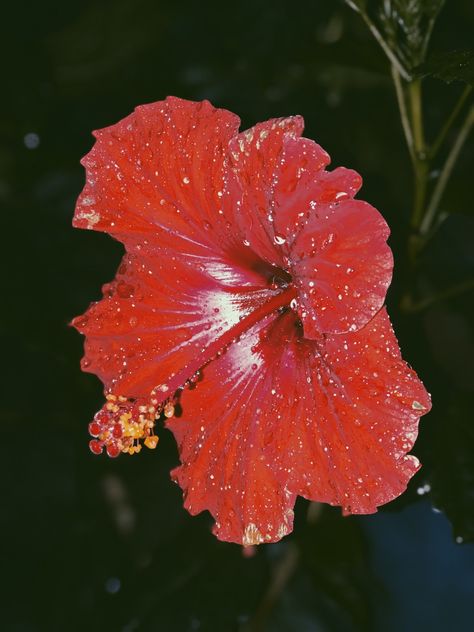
<point>446,173</point>
<point>420,164</point>
<point>403,112</point>
<point>447,126</point>
<point>394,61</point>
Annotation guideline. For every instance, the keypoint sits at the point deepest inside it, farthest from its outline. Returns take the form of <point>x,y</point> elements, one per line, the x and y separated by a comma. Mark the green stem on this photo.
<point>403,111</point>
<point>452,117</point>
<point>446,173</point>
<point>420,164</point>
<point>385,47</point>
<point>417,115</point>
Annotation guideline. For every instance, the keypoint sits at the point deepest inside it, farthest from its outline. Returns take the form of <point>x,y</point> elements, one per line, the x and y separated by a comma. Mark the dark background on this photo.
<point>100,544</point>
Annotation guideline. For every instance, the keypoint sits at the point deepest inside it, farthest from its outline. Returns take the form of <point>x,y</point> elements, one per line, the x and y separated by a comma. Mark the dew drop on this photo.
<point>279,239</point>
<point>329,239</point>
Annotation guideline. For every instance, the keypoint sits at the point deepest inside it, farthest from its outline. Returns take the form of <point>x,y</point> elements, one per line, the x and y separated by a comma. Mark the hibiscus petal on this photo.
<point>342,266</point>
<point>257,157</point>
<point>302,218</point>
<point>277,415</point>
<point>160,315</point>
<point>304,185</point>
<point>159,173</point>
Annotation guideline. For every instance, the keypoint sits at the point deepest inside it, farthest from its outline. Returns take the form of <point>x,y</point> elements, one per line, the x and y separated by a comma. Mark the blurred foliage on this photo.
<point>454,66</point>
<point>106,545</point>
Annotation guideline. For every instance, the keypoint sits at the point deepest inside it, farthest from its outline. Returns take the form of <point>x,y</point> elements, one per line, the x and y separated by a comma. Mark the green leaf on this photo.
<point>408,24</point>
<point>405,26</point>
<point>454,66</point>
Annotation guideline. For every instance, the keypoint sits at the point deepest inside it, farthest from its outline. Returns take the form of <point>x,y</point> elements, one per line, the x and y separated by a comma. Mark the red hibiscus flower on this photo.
<point>248,310</point>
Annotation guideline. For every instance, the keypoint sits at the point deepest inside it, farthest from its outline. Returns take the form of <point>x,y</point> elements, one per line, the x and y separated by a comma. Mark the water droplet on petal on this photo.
<point>329,239</point>
<point>279,239</point>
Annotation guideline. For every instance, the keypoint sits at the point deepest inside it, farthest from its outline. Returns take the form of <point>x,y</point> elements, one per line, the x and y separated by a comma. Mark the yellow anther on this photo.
<point>168,410</point>
<point>151,442</point>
